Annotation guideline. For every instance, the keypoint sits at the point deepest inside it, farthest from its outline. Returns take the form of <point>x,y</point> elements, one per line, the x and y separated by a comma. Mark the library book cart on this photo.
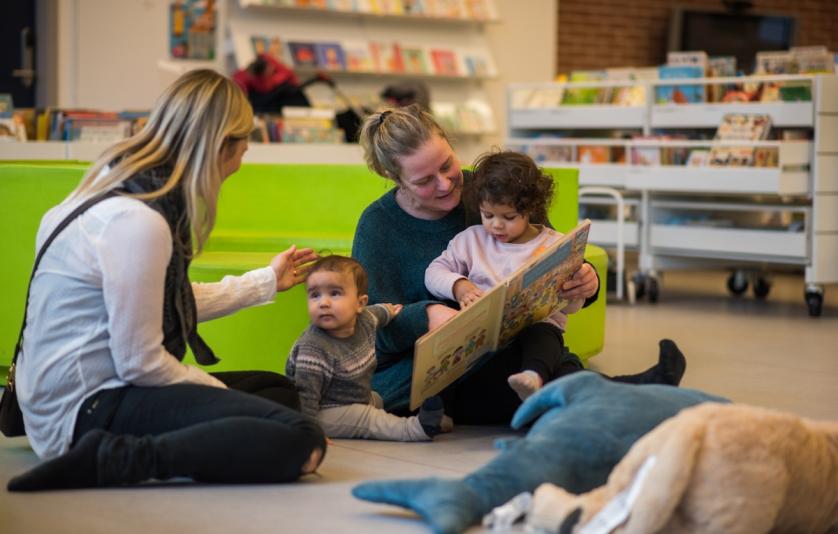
<point>678,215</point>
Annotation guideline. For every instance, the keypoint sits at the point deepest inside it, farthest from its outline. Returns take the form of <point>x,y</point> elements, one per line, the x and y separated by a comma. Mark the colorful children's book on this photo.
<point>478,65</point>
<point>739,127</point>
<point>303,54</point>
<point>679,94</point>
<point>528,295</point>
<point>263,44</point>
<point>330,56</point>
<point>358,56</point>
<point>445,62</point>
<point>687,59</point>
<point>387,57</point>
<point>192,26</point>
<point>585,95</point>
<point>698,158</point>
<point>415,60</point>
<point>594,154</point>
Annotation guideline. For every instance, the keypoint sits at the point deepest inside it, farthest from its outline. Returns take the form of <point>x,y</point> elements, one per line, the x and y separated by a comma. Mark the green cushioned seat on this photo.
<point>263,209</point>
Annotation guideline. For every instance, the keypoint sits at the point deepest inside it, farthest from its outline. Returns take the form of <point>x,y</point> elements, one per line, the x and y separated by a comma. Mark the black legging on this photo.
<point>207,433</point>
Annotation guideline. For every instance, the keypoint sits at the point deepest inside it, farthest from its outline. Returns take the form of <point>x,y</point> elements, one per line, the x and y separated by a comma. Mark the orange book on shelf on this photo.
<point>594,154</point>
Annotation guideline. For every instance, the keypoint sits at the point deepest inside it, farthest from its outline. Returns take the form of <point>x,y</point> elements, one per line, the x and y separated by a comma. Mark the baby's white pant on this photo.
<point>369,421</point>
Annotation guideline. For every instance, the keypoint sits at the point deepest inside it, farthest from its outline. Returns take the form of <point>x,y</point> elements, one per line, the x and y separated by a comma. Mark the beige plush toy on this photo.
<point>714,468</point>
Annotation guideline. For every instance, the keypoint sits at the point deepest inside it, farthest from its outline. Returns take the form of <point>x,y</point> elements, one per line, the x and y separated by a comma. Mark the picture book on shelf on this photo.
<point>593,154</point>
<point>478,65</point>
<point>687,59</point>
<point>303,54</point>
<point>415,60</point>
<point>267,45</point>
<point>698,158</point>
<point>679,94</point>
<point>739,127</point>
<point>528,295</point>
<point>445,62</point>
<point>330,56</point>
<point>192,26</point>
<point>358,57</point>
<point>585,95</point>
<point>388,56</point>
<point>545,97</point>
<point>552,154</point>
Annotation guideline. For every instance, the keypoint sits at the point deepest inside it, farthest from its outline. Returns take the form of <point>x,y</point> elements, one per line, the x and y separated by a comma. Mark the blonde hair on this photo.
<point>393,133</point>
<point>193,121</point>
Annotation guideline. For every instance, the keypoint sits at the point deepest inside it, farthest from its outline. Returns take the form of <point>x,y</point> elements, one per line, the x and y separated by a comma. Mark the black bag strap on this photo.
<point>58,229</point>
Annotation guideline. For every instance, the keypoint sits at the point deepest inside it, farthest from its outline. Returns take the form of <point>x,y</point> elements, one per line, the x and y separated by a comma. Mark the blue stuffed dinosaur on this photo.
<point>584,425</point>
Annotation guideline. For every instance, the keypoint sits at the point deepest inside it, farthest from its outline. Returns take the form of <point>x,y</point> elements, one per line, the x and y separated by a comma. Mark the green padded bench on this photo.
<point>263,209</point>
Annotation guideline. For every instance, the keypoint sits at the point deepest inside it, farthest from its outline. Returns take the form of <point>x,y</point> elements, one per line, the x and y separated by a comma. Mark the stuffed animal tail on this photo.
<point>676,444</point>
<point>449,506</point>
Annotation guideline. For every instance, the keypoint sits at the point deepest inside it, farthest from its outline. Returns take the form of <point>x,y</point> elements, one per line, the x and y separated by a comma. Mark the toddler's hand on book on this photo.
<point>466,292</point>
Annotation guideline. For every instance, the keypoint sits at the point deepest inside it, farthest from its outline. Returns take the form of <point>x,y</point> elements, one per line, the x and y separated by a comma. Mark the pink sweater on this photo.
<point>485,261</point>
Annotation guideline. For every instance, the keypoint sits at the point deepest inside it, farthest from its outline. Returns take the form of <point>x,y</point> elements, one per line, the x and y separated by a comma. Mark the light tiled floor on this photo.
<point>768,353</point>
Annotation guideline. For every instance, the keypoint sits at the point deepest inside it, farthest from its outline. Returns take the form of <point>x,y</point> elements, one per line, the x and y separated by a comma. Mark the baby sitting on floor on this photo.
<point>333,361</point>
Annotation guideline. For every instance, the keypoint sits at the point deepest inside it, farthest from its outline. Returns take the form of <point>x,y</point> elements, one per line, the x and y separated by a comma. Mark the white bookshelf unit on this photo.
<point>717,216</point>
<point>462,33</point>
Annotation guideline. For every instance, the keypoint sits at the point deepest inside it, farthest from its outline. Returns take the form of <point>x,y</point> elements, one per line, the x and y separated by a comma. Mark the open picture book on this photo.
<point>528,295</point>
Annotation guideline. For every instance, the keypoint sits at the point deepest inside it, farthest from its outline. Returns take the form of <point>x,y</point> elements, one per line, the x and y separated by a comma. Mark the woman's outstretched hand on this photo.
<point>291,266</point>
<point>582,284</point>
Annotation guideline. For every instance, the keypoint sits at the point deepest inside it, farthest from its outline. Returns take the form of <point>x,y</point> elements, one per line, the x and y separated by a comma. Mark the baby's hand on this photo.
<point>466,292</point>
<point>393,309</point>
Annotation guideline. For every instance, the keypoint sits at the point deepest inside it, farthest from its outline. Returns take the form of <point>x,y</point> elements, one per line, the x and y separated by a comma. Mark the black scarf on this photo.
<point>180,325</point>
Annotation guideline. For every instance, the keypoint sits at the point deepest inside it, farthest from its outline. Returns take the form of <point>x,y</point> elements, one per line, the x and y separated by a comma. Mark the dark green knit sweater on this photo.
<point>395,248</point>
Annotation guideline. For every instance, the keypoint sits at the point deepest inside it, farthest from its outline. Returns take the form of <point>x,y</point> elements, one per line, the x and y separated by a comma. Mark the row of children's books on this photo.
<point>685,65</point>
<point>453,9</point>
<point>734,127</point>
<point>376,57</point>
<point>297,125</point>
<point>29,124</point>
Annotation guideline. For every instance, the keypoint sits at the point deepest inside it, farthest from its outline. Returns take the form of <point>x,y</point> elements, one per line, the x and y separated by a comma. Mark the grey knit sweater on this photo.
<point>330,371</point>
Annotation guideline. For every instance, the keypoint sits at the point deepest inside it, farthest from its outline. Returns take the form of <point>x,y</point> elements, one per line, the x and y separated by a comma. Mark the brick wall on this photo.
<point>596,34</point>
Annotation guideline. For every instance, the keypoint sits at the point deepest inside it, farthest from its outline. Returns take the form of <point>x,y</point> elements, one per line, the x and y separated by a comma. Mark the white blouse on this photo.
<point>96,310</point>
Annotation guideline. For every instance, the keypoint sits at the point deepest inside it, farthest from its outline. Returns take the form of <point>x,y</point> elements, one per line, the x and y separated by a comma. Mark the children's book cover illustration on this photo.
<point>528,295</point>
<point>679,94</point>
<point>303,54</point>
<point>330,56</point>
<point>192,27</point>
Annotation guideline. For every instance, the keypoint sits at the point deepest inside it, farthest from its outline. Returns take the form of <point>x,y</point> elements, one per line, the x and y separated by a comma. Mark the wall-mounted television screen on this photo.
<point>727,33</point>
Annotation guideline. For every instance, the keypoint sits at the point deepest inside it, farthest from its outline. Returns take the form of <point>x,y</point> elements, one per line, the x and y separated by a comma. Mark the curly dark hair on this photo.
<point>506,177</point>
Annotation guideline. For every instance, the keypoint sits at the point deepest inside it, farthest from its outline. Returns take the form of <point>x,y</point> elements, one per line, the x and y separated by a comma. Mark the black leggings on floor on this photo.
<point>212,434</point>
<point>483,396</point>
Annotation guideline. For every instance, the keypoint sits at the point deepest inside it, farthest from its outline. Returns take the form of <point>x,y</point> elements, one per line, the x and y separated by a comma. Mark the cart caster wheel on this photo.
<point>653,289</point>
<point>814,301</point>
<point>761,287</point>
<point>639,283</point>
<point>737,283</point>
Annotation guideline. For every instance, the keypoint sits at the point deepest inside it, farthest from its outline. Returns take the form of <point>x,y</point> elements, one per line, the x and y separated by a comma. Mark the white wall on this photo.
<point>108,53</point>
<point>524,47</point>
